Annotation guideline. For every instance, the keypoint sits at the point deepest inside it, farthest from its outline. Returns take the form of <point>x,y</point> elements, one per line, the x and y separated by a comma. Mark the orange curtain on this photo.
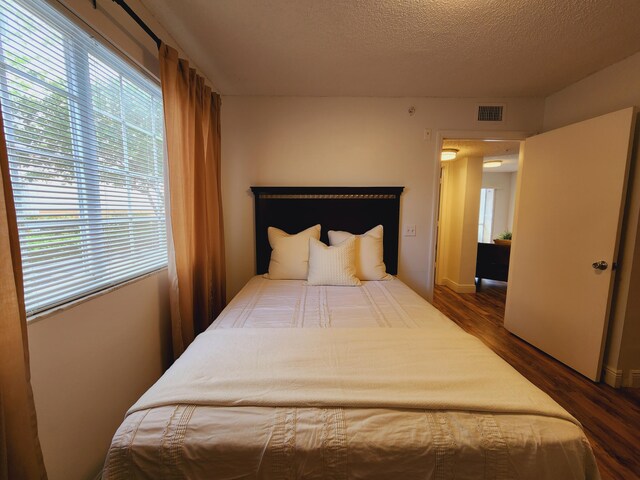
<point>20,454</point>
<point>196,262</point>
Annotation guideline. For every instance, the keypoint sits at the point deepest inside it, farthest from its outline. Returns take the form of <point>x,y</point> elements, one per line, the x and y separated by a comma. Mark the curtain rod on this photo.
<point>137,19</point>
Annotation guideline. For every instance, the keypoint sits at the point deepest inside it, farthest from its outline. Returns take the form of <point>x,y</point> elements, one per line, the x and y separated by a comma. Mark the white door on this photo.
<point>570,204</point>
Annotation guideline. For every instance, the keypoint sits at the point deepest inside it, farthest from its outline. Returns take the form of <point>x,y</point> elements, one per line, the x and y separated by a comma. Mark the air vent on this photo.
<point>490,113</point>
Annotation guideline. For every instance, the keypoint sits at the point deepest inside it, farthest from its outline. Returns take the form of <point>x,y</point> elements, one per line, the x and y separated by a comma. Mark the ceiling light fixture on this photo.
<point>448,154</point>
<point>492,164</point>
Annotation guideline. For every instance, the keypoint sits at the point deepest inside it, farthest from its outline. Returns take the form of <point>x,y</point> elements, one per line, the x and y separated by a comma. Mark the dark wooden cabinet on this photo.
<point>493,261</point>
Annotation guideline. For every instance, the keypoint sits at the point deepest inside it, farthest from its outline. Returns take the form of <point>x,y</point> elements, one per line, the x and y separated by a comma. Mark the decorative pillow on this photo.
<point>290,253</point>
<point>332,265</point>
<point>369,261</point>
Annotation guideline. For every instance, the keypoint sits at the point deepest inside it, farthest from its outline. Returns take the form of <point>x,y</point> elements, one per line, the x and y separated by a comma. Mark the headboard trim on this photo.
<point>360,196</point>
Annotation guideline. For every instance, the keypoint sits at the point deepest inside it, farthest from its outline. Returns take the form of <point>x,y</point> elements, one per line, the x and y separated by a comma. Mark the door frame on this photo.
<point>441,136</point>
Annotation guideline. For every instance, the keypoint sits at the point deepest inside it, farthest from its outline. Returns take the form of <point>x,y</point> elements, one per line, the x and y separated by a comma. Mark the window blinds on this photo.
<point>85,143</point>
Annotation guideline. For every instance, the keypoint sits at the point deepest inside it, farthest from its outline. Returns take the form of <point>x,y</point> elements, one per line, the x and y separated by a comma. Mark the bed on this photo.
<point>330,382</point>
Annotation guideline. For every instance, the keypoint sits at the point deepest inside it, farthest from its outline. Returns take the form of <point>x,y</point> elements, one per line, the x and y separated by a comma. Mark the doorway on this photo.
<point>478,182</point>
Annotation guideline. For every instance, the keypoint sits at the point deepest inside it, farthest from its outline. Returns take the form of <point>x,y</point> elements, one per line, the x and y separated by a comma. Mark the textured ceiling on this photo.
<point>438,48</point>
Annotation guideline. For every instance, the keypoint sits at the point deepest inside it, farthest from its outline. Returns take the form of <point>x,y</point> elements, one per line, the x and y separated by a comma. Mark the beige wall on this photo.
<point>469,250</point>
<point>457,244</point>
<point>622,353</point>
<point>613,88</point>
<point>610,89</point>
<point>344,141</point>
<point>450,221</point>
<point>89,363</point>
<point>629,362</point>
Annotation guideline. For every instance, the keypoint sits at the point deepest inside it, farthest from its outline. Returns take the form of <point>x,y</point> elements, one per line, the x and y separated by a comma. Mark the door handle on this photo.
<point>601,265</point>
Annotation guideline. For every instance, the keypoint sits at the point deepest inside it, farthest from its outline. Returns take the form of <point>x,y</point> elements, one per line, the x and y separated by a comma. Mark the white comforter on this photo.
<point>417,398</point>
<point>350,367</point>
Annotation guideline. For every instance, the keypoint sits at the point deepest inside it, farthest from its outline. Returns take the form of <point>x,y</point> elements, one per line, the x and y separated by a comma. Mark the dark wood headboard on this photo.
<point>353,209</point>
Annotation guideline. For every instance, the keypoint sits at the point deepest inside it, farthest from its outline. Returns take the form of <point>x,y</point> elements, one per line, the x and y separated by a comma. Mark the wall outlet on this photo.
<point>409,230</point>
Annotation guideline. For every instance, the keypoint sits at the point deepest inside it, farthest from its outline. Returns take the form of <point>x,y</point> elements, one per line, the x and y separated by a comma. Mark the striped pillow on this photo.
<point>369,258</point>
<point>332,265</point>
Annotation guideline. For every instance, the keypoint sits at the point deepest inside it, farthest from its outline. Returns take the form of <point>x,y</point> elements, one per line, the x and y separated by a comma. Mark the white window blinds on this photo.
<point>85,142</point>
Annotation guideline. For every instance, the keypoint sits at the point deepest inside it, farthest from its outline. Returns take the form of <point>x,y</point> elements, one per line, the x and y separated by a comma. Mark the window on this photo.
<point>85,142</point>
<point>485,222</point>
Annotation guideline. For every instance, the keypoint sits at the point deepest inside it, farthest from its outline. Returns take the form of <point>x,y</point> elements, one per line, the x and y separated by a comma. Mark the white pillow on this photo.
<point>369,261</point>
<point>290,253</point>
<point>332,265</point>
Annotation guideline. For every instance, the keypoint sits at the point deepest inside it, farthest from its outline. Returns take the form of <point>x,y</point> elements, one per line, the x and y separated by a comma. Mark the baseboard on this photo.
<point>633,379</point>
<point>617,378</point>
<point>613,377</point>
<point>459,287</point>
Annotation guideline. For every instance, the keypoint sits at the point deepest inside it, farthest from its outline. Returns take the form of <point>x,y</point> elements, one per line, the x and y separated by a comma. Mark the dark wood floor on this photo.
<point>610,417</point>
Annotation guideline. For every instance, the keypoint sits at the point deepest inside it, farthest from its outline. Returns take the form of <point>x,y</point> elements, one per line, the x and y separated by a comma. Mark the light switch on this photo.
<point>409,230</point>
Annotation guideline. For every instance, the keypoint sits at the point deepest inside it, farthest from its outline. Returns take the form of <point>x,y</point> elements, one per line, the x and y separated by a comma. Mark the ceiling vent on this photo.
<point>490,113</point>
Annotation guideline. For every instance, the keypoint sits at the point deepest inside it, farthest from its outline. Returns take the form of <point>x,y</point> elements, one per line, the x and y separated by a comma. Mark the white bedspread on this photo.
<point>365,367</point>
<point>353,333</point>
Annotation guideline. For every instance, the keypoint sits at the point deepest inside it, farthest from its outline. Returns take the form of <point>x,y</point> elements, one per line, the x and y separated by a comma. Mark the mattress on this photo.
<point>195,440</point>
